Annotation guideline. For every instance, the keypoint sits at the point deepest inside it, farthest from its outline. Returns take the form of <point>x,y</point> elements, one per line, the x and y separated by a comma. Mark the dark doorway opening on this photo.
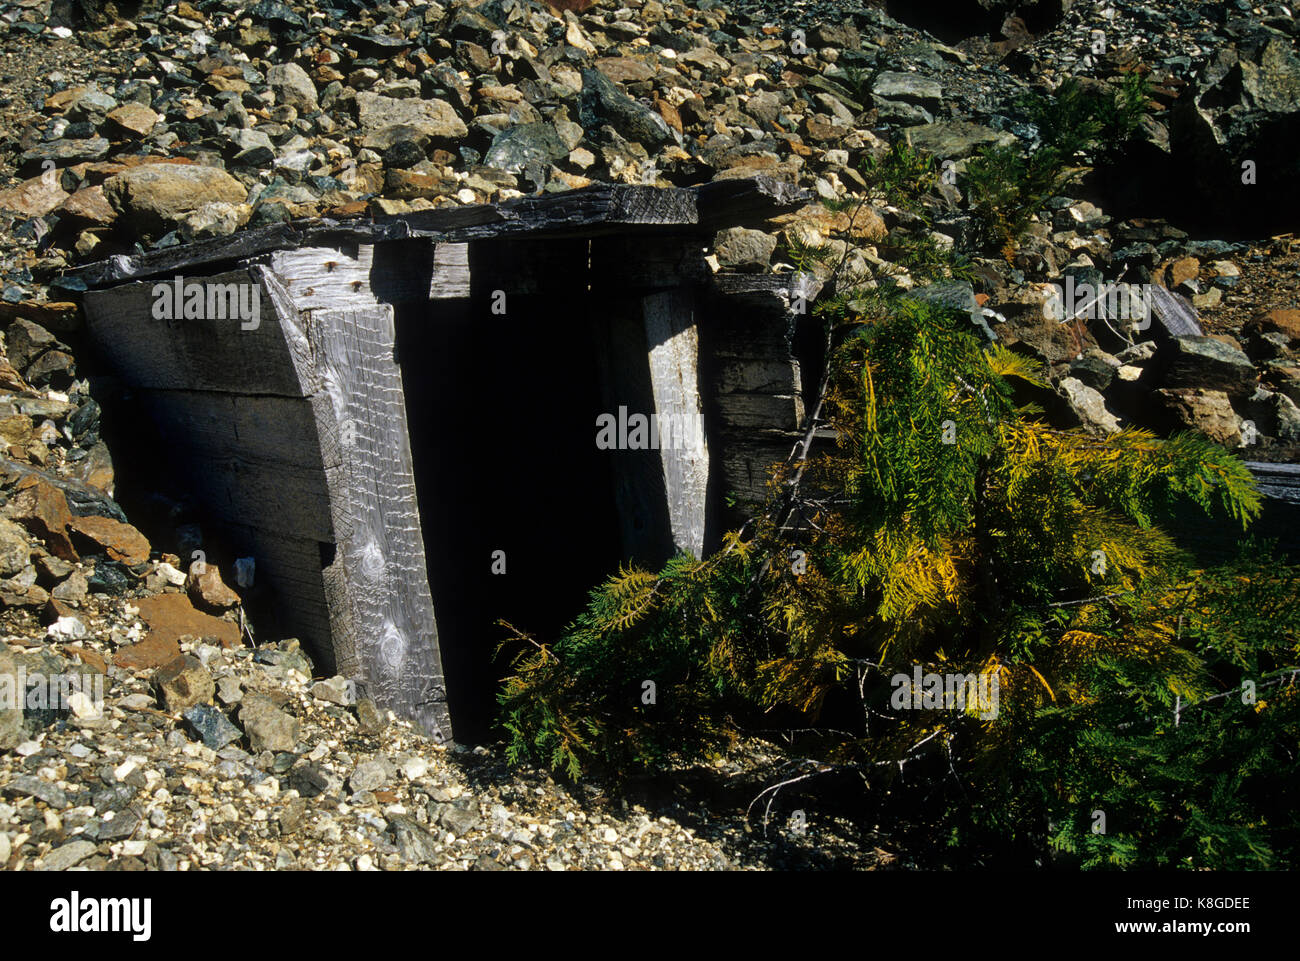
<point>501,411</point>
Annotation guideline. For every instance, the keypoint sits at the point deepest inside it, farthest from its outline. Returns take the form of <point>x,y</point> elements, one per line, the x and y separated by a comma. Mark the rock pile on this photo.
<point>192,121</point>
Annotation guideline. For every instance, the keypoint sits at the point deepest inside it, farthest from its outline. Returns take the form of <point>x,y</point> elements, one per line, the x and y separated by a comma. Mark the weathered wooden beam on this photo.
<point>204,256</point>
<point>673,349</point>
<point>320,277</point>
<point>227,354</point>
<point>618,206</point>
<point>600,209</point>
<point>755,383</point>
<point>1280,482</point>
<point>377,587</point>
<point>728,203</point>
<point>449,278</point>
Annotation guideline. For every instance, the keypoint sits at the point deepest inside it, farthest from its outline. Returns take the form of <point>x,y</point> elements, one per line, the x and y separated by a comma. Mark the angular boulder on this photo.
<point>154,198</point>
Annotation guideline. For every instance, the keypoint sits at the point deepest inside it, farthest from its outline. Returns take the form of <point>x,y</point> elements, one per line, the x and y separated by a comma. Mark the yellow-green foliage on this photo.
<point>947,530</point>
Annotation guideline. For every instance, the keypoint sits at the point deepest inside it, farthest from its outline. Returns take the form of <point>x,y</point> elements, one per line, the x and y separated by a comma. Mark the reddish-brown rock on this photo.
<point>147,655</point>
<point>172,616</point>
<point>33,198</point>
<point>121,542</point>
<point>90,205</point>
<point>1285,322</point>
<point>10,379</point>
<point>58,316</point>
<point>34,596</point>
<point>134,119</point>
<point>207,590</point>
<point>41,507</point>
<point>184,682</point>
<point>92,659</point>
<point>1181,270</point>
<point>56,609</point>
<point>672,116</point>
<point>16,431</point>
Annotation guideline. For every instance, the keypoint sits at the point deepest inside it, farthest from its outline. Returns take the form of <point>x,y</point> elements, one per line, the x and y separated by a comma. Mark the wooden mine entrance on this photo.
<point>516,502</point>
<point>418,393</point>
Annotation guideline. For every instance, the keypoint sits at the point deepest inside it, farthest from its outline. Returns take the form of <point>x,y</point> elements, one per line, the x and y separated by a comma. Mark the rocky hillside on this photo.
<point>133,126</point>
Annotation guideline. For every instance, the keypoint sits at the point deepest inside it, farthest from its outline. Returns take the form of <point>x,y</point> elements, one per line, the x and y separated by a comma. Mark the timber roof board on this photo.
<point>590,211</point>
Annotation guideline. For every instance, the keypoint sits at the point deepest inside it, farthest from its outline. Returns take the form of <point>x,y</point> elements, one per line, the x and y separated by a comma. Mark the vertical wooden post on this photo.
<point>673,351</point>
<point>377,588</point>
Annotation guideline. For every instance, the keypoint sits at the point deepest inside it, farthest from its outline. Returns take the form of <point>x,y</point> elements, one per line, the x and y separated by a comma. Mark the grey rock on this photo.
<point>291,816</point>
<point>1093,372</point>
<point>92,104</point>
<point>1201,363</point>
<point>1288,419</point>
<point>955,139</point>
<point>1272,414</point>
<point>229,690</point>
<point>68,151</point>
<point>603,103</point>
<point>385,120</point>
<point>309,780</point>
<point>743,249</point>
<point>1089,405</point>
<point>250,139</point>
<point>292,86</point>
<point>268,727</point>
<point>68,856</point>
<point>212,726</point>
<point>459,817</point>
<point>516,147</point>
<point>908,88</point>
<point>122,825</point>
<point>115,797</point>
<point>371,774</point>
<point>335,690</point>
<point>27,786</point>
<point>902,114</point>
<point>414,843</point>
<point>219,219</point>
<point>72,588</point>
<point>287,655</point>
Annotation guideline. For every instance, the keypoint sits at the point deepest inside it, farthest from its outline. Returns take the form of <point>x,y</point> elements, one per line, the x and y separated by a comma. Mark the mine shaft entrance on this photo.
<point>501,409</point>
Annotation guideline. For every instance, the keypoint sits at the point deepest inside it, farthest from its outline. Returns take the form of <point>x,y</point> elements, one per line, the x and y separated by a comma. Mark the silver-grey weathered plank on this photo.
<point>378,592</point>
